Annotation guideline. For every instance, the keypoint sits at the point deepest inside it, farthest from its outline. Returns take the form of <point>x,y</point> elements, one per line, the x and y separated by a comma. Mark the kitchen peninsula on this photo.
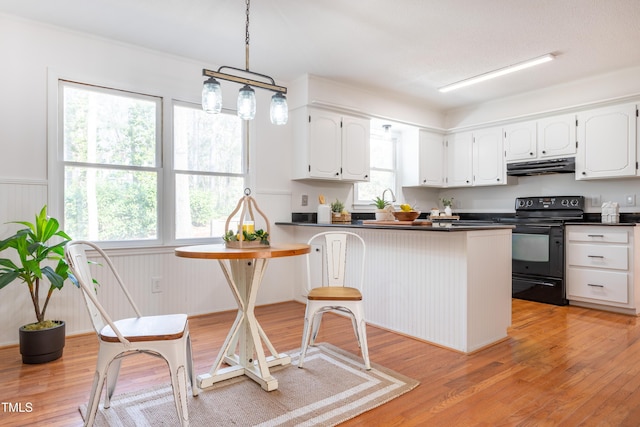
<point>450,286</point>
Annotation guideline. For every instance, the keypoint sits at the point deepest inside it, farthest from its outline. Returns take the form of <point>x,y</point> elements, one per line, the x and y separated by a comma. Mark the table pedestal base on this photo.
<point>246,335</point>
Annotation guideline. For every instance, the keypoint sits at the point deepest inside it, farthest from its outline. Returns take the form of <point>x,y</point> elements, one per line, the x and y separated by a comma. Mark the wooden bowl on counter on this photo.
<point>406,216</point>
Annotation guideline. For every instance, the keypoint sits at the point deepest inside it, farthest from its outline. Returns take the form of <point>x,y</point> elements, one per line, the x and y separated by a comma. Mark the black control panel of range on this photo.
<point>550,203</point>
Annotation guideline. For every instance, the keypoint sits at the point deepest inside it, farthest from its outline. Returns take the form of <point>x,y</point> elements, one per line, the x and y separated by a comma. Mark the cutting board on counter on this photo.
<point>403,223</point>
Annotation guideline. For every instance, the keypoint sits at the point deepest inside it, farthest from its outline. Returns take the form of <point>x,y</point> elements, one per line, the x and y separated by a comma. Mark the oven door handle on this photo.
<point>541,282</point>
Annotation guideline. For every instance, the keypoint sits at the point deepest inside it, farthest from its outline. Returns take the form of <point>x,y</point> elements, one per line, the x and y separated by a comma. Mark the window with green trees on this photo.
<point>124,181</point>
<point>111,153</point>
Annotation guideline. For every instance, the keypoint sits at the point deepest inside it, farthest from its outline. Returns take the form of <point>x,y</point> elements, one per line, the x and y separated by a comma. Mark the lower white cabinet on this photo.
<point>602,267</point>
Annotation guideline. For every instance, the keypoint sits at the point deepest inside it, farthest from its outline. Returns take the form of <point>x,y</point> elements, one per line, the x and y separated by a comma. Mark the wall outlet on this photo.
<point>305,200</point>
<point>630,199</point>
<point>156,285</point>
<point>596,201</point>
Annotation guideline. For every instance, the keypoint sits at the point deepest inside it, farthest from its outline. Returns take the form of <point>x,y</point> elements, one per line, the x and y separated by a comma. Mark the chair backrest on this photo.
<point>335,258</point>
<point>76,257</point>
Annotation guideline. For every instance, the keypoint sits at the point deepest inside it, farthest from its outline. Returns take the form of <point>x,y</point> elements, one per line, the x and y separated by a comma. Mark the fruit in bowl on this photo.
<point>406,215</point>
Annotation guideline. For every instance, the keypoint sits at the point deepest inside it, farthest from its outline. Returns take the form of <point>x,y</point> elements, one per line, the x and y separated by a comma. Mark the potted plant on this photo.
<point>338,213</point>
<point>447,203</point>
<point>382,211</point>
<point>38,247</point>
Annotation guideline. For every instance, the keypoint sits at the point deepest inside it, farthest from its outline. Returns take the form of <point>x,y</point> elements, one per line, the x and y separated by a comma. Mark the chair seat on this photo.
<point>147,328</point>
<point>335,293</point>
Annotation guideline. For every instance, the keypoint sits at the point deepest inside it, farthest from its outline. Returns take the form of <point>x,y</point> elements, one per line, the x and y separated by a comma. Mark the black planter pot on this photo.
<point>43,345</point>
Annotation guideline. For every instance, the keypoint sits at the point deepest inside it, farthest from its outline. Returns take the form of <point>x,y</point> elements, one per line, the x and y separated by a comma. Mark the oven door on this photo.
<point>538,249</point>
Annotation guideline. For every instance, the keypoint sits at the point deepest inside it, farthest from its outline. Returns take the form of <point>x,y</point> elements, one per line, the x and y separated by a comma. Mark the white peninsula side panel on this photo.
<point>450,288</point>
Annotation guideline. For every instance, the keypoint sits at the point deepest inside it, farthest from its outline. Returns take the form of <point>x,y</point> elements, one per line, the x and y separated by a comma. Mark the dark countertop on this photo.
<point>436,227</point>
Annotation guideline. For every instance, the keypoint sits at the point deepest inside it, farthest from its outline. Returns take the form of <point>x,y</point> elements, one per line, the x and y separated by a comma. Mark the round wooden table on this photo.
<point>244,269</point>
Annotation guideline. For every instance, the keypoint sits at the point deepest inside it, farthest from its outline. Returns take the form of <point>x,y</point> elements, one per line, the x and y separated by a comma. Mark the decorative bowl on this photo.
<point>406,216</point>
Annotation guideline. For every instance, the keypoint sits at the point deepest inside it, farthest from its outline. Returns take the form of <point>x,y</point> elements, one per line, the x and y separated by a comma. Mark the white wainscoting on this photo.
<point>448,288</point>
<point>188,285</point>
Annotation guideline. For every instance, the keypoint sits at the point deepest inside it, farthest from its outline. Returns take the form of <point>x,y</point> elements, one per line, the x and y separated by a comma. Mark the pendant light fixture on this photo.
<point>212,93</point>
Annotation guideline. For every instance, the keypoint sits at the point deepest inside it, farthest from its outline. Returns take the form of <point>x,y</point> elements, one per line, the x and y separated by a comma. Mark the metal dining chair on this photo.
<point>333,294</point>
<point>164,336</point>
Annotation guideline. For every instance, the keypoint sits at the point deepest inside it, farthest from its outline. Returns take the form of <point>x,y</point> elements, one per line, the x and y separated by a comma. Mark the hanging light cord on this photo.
<point>246,38</point>
<point>230,77</point>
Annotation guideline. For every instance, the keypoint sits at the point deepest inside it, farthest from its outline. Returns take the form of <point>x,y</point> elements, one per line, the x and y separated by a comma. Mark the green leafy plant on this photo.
<point>380,203</point>
<point>261,235</point>
<point>337,206</point>
<point>41,242</point>
<point>447,202</point>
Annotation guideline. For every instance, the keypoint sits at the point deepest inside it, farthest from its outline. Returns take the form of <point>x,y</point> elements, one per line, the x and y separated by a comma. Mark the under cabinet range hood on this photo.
<point>542,167</point>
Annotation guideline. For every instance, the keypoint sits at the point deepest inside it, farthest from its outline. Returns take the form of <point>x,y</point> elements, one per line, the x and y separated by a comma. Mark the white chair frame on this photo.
<point>168,338</point>
<point>335,260</point>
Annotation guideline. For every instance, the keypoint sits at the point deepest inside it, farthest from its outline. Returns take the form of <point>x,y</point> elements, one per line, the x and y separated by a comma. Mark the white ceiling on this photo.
<point>410,47</point>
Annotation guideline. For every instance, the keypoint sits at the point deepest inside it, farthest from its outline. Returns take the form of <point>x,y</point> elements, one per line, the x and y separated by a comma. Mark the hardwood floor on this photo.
<point>560,366</point>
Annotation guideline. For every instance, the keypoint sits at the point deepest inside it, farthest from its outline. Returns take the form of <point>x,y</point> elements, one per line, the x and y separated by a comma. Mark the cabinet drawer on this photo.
<point>599,235</point>
<point>598,256</point>
<point>607,286</point>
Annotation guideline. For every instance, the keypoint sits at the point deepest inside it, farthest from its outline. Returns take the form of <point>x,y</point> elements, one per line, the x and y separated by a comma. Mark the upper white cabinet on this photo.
<point>329,145</point>
<point>423,161</point>
<point>520,141</point>
<point>545,138</point>
<point>607,142</point>
<point>488,162</point>
<point>556,136</point>
<point>475,158</point>
<point>460,160</point>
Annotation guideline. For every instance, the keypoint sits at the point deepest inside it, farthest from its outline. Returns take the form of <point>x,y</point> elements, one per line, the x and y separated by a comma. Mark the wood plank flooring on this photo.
<point>563,366</point>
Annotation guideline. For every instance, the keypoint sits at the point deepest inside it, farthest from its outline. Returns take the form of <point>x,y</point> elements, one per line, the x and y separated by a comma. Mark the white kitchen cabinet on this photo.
<point>475,158</point>
<point>551,137</point>
<point>423,161</point>
<point>329,145</point>
<point>460,160</point>
<point>602,267</point>
<point>607,142</point>
<point>488,161</point>
<point>556,136</point>
<point>520,142</point>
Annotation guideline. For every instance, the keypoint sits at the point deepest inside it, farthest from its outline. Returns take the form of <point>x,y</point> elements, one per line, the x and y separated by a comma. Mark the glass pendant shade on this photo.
<point>247,103</point>
<point>279,109</point>
<point>211,96</point>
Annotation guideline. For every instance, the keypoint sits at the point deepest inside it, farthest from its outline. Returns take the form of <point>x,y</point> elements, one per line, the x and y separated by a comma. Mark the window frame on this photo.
<point>173,172</point>
<point>164,158</point>
<point>394,139</point>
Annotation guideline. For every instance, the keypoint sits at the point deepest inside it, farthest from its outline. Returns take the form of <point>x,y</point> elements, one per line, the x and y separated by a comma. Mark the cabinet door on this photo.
<point>324,144</point>
<point>606,142</point>
<point>431,159</point>
<point>557,136</point>
<point>355,149</point>
<point>488,161</point>
<point>459,159</point>
<point>520,141</point>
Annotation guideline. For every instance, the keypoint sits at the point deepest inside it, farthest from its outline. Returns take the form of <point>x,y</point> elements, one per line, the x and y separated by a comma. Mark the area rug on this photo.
<point>333,387</point>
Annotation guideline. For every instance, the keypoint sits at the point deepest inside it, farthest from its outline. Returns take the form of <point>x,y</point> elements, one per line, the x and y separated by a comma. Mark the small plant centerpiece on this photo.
<point>384,209</point>
<point>40,252</point>
<point>380,203</point>
<point>246,236</point>
<point>448,204</point>
<point>338,213</point>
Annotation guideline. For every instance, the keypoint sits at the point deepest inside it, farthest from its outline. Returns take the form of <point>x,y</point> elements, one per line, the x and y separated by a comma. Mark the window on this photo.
<point>383,169</point>
<point>210,173</point>
<point>125,184</point>
<point>111,154</point>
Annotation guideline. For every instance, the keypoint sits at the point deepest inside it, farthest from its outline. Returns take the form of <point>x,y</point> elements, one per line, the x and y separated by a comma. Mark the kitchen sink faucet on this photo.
<point>393,196</point>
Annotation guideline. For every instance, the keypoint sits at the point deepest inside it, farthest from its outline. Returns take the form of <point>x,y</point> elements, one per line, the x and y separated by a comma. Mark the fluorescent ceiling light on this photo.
<point>497,73</point>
